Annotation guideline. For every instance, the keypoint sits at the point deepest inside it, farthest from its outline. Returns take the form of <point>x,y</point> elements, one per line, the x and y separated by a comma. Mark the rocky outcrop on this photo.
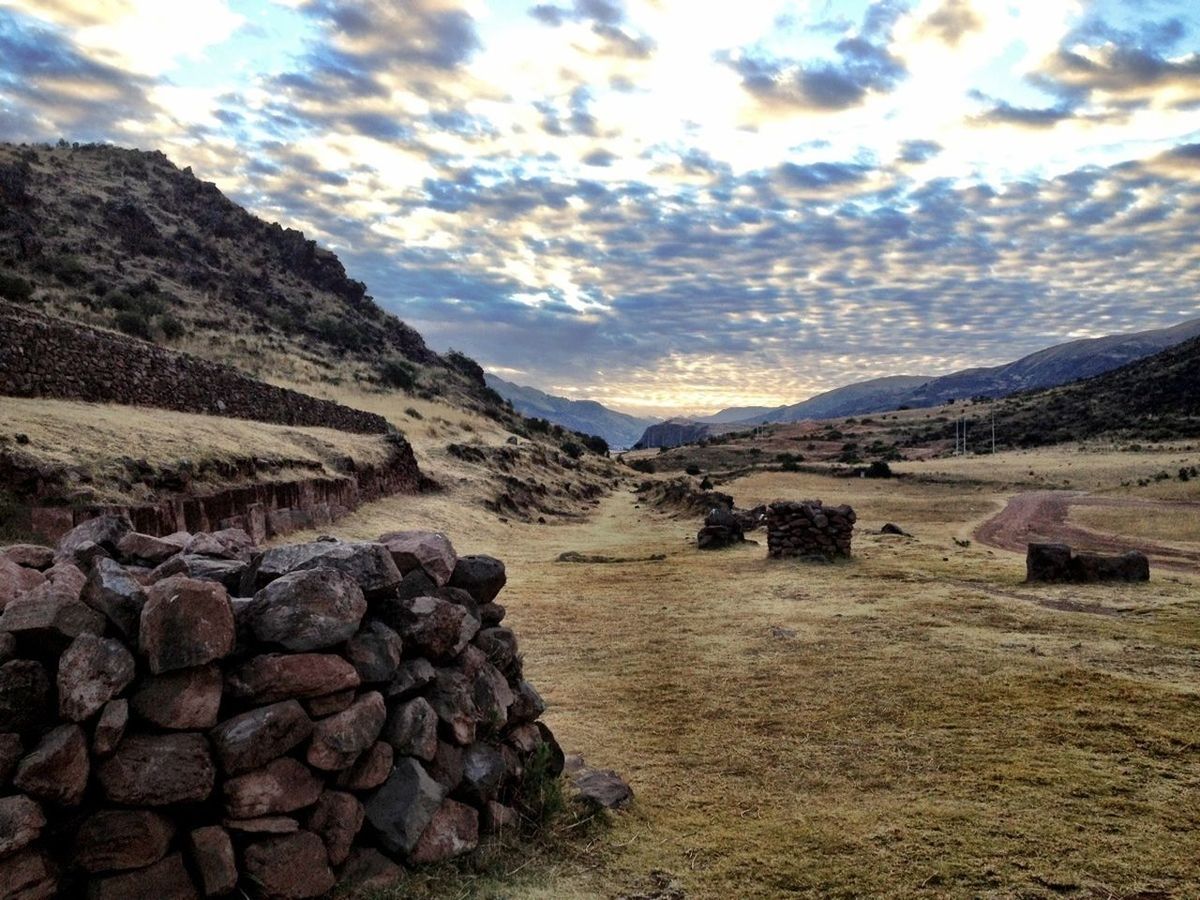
<point>203,744</point>
<point>809,529</point>
<point>673,433</point>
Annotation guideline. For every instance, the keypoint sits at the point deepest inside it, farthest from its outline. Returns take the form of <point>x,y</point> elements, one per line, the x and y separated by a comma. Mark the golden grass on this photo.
<point>934,727</point>
<point>1156,523</point>
<point>94,435</point>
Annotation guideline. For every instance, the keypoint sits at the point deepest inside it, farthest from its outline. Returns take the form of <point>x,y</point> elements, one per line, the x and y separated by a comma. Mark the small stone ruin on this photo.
<point>190,716</point>
<point>808,529</point>
<point>721,529</point>
<point>1057,564</point>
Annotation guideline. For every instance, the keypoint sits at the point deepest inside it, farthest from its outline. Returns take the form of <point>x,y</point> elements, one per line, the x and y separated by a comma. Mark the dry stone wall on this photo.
<point>42,356</point>
<point>809,529</point>
<point>188,716</point>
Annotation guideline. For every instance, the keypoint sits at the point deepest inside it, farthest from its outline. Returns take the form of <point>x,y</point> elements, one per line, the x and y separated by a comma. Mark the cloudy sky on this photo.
<point>676,205</point>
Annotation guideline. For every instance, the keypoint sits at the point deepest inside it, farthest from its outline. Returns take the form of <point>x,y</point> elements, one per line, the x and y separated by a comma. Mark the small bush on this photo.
<point>706,484</point>
<point>596,444</point>
<point>1184,475</point>
<point>643,465</point>
<point>693,469</point>
<point>172,328</point>
<point>13,287</point>
<point>134,322</point>
<point>397,373</point>
<point>413,413</point>
<point>572,449</point>
<point>879,469</point>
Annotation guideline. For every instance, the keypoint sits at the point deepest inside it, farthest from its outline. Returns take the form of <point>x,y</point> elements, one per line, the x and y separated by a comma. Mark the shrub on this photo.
<point>572,449</point>
<point>13,287</point>
<point>397,373</point>
<point>693,469</point>
<point>879,469</point>
<point>172,328</point>
<point>596,444</point>
<point>413,413</point>
<point>706,484</point>
<point>134,322</point>
<point>1184,475</point>
<point>643,465</point>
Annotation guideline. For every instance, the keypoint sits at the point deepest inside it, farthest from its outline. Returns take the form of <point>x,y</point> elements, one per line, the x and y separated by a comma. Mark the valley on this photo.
<point>897,723</point>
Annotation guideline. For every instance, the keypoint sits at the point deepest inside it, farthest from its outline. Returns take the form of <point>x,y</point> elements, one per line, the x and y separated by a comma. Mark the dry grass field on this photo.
<point>913,722</point>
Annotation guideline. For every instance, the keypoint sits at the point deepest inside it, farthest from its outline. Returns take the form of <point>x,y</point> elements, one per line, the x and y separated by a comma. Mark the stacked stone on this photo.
<point>809,529</point>
<point>188,716</point>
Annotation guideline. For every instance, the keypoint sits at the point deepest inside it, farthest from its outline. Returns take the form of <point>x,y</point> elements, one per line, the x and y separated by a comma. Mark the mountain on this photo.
<point>734,414</point>
<point>1153,399</point>
<point>125,240</point>
<point>674,433</point>
<point>1053,366</point>
<point>619,429</point>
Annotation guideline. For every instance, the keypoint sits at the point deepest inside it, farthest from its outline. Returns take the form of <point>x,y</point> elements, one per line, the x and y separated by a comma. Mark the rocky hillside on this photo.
<point>1053,366</point>
<point>619,429</point>
<point>123,239</point>
<point>1152,399</point>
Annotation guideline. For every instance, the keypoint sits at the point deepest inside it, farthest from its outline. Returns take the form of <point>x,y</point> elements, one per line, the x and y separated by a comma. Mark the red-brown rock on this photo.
<point>252,739</point>
<point>27,875</point>
<point>157,770</point>
<point>212,856</point>
<point>412,729</point>
<point>375,652</point>
<point>57,769</point>
<point>496,817</point>
<point>338,740</point>
<point>480,576</point>
<point>110,727</point>
<point>281,676</point>
<point>319,707</point>
<point>113,840</point>
<point>49,617</point>
<point>91,672</point>
<point>16,580</point>
<point>21,821</point>
<point>290,867</point>
<point>181,700</point>
<point>281,786</point>
<point>264,825</point>
<point>447,765</point>
<point>453,699</point>
<point>185,623</point>
<point>114,592</point>
<point>145,549</point>
<point>308,610</point>
<point>437,628</point>
<point>367,870</point>
<point>31,556</point>
<point>371,770</point>
<point>453,831</point>
<point>428,550</point>
<point>165,880</point>
<point>336,819</point>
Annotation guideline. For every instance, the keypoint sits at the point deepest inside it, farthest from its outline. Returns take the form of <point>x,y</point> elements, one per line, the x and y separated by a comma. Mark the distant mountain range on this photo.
<point>619,429</point>
<point>1057,365</point>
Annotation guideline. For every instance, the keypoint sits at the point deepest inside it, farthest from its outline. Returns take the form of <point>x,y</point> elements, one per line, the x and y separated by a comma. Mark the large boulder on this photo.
<point>226,572</point>
<point>116,839</point>
<point>213,858</point>
<point>30,556</point>
<point>28,875</point>
<point>281,676</point>
<point>370,770</point>
<point>412,729</point>
<point>57,769</point>
<point>103,531</point>
<point>338,740</point>
<point>92,671</point>
<point>453,831</point>
<point>480,576</point>
<point>404,806</point>
<point>185,623</point>
<point>453,699</point>
<point>1087,568</point>
<point>16,580</point>
<point>369,564</point>
<point>252,739</point>
<point>308,610</point>
<point>429,551</point>
<point>145,549</point>
<point>21,822</point>
<point>290,867</point>
<point>158,770</point>
<point>49,618</point>
<point>483,772</point>
<point>337,818</point>
<point>167,879</point>
<point>1048,562</point>
<point>180,700</point>
<point>281,786</point>
<point>436,628</point>
<point>375,652</point>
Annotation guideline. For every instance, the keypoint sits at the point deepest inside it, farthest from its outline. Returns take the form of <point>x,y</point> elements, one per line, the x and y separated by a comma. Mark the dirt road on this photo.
<point>1043,516</point>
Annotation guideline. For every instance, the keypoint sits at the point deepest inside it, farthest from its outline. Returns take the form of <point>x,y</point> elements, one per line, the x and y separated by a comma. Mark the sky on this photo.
<point>673,206</point>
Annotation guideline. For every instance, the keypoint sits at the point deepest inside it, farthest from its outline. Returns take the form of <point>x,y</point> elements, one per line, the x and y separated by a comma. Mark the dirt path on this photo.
<point>1043,516</point>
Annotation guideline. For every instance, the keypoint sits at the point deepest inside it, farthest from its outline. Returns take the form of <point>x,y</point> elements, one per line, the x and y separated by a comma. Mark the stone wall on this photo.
<point>809,529</point>
<point>189,716</point>
<point>42,356</point>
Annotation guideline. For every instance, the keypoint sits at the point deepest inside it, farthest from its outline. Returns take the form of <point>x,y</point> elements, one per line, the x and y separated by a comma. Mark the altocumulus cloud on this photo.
<point>749,209</point>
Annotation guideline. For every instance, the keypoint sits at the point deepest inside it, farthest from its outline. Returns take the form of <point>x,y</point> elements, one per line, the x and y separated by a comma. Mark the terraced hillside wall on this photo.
<point>42,356</point>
